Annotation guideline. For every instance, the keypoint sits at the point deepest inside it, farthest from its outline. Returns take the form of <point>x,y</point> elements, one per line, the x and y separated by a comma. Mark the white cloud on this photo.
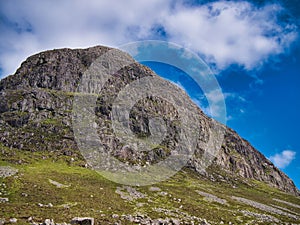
<point>223,32</point>
<point>283,159</point>
<point>231,32</point>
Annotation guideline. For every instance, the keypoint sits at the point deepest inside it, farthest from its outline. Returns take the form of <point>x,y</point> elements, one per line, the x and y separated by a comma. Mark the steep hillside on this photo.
<point>37,137</point>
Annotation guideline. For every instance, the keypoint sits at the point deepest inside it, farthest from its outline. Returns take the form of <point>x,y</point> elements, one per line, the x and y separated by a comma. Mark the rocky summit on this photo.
<point>225,181</point>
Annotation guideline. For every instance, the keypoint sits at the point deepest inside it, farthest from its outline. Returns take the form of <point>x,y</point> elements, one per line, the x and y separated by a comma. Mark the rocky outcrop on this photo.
<point>36,108</point>
<point>240,158</point>
<point>83,221</point>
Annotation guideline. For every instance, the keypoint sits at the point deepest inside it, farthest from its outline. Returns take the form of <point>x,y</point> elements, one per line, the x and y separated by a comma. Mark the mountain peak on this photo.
<point>36,108</point>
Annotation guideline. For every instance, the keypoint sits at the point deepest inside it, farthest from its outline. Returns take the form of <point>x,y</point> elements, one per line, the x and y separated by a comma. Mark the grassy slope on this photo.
<point>89,194</point>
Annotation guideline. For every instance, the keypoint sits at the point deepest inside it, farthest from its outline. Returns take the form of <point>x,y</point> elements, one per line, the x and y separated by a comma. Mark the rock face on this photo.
<point>83,221</point>
<point>36,109</point>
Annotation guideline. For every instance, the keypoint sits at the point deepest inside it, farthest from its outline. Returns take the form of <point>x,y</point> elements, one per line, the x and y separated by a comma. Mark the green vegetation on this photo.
<point>86,193</point>
<point>51,121</point>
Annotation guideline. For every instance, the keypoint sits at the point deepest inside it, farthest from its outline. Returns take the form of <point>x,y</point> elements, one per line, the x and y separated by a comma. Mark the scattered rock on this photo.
<point>50,205</point>
<point>284,209</point>
<point>24,195</point>
<point>2,221</point>
<point>49,222</point>
<point>211,197</point>
<point>287,203</point>
<point>3,200</point>
<point>154,189</point>
<point>13,220</point>
<point>115,216</point>
<point>185,218</point>
<point>175,221</point>
<point>163,193</point>
<point>140,204</point>
<point>129,193</point>
<point>83,221</point>
<point>204,222</point>
<point>260,217</point>
<point>7,171</point>
<point>58,185</point>
<point>264,207</point>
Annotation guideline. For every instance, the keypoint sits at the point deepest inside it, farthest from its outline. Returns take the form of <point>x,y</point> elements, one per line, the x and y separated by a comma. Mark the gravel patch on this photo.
<point>287,203</point>
<point>212,198</point>
<point>7,171</point>
<point>154,189</point>
<point>284,209</point>
<point>184,217</point>
<point>129,193</point>
<point>264,207</point>
<point>57,184</point>
<point>260,217</point>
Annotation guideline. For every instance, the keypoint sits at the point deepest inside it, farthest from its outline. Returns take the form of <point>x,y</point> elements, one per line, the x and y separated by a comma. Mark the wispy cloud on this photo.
<point>178,84</point>
<point>234,104</point>
<point>223,32</point>
<point>231,32</point>
<point>283,159</point>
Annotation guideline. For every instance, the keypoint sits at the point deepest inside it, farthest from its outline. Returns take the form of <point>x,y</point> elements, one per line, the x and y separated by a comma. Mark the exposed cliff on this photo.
<point>36,107</point>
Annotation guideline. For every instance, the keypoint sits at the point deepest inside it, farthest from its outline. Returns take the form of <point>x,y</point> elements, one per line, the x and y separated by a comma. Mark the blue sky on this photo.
<point>253,48</point>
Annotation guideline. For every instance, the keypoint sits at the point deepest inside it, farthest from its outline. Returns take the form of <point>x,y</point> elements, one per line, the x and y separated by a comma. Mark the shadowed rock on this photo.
<point>83,221</point>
